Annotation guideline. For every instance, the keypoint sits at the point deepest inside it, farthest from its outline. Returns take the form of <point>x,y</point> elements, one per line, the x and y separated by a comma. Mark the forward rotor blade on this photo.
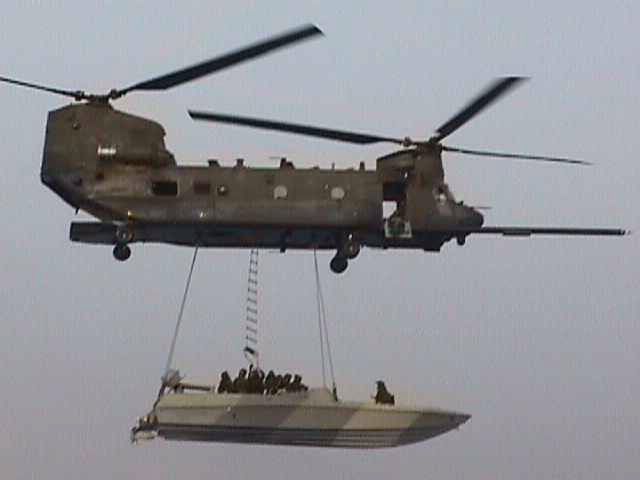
<point>208,67</point>
<point>78,95</point>
<point>517,156</point>
<point>486,98</point>
<point>339,135</point>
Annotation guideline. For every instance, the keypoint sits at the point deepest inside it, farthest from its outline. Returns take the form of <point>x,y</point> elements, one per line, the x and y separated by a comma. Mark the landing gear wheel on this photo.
<point>121,252</point>
<point>124,234</point>
<point>338,264</point>
<point>461,240</point>
<point>351,249</point>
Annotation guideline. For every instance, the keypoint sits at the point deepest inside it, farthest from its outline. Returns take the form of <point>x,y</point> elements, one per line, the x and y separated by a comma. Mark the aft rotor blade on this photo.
<point>509,231</point>
<point>78,95</point>
<point>339,135</point>
<point>482,101</point>
<point>208,67</point>
<point>516,156</point>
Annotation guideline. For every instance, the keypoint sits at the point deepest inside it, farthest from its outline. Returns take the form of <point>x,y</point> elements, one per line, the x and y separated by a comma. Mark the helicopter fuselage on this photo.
<point>115,166</point>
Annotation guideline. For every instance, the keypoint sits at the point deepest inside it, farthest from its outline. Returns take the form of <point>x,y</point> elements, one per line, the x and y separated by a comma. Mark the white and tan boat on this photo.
<point>289,414</point>
<point>311,418</point>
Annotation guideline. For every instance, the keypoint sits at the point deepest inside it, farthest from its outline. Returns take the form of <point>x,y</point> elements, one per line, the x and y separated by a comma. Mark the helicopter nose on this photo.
<point>476,218</point>
<point>471,218</point>
<point>460,418</point>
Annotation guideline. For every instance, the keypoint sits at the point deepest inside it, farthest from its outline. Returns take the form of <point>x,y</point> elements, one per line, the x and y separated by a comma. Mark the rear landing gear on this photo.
<point>348,249</point>
<point>351,248</point>
<point>338,264</point>
<point>121,252</point>
<point>124,235</point>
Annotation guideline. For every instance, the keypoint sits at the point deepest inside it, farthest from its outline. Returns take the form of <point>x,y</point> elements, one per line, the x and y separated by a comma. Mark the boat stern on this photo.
<point>145,429</point>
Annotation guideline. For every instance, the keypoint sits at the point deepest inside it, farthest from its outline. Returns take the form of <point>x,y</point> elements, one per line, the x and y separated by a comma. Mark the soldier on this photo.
<point>297,385</point>
<point>303,387</point>
<point>255,382</point>
<point>269,382</point>
<point>240,383</point>
<point>225,385</point>
<point>276,385</point>
<point>284,384</point>
<point>292,386</point>
<point>382,394</point>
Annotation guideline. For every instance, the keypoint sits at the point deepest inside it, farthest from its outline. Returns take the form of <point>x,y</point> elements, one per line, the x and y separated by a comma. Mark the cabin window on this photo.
<point>201,188</point>
<point>280,192</point>
<point>337,193</point>
<point>165,188</point>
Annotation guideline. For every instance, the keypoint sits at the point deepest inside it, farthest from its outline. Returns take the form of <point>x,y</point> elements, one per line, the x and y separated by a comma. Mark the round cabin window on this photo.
<point>337,193</point>
<point>280,192</point>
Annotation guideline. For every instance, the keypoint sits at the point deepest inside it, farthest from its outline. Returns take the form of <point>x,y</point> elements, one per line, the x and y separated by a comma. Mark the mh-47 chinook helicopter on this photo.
<point>116,167</point>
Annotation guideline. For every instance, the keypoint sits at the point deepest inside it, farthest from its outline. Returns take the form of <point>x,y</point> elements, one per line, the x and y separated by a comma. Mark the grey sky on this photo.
<point>538,339</point>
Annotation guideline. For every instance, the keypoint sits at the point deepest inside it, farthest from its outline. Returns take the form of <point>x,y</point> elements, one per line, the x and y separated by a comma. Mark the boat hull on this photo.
<point>310,437</point>
<point>303,419</point>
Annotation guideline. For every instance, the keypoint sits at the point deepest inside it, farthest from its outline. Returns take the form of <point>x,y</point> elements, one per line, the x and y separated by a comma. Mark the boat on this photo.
<point>314,418</point>
<point>274,410</point>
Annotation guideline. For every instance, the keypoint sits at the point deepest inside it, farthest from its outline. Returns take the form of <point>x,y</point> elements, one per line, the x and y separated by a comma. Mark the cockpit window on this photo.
<point>442,193</point>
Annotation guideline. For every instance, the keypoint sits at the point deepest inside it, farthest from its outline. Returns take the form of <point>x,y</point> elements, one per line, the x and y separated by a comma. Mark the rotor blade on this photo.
<point>482,207</point>
<point>78,95</point>
<point>486,98</point>
<point>339,135</point>
<point>207,67</point>
<point>528,231</point>
<point>517,156</point>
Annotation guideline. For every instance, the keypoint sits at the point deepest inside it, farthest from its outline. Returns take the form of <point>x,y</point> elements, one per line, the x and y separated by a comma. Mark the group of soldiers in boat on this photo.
<point>255,381</point>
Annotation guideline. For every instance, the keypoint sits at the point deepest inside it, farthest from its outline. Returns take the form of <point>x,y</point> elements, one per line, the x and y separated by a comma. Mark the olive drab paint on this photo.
<point>116,167</point>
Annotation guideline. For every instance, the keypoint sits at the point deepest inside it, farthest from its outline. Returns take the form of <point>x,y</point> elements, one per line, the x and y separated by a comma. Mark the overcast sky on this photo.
<point>538,339</point>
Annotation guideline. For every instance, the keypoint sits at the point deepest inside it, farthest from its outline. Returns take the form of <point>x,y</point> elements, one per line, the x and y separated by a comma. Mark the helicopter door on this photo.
<point>396,223</point>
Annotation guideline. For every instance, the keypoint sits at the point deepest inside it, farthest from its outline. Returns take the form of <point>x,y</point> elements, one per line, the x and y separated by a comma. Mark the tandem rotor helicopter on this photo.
<point>115,166</point>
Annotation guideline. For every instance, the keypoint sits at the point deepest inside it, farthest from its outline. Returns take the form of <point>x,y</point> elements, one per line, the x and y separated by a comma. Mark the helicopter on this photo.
<point>116,167</point>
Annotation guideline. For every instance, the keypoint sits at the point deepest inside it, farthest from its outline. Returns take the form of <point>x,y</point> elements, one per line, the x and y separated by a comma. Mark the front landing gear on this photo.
<point>338,264</point>
<point>121,252</point>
